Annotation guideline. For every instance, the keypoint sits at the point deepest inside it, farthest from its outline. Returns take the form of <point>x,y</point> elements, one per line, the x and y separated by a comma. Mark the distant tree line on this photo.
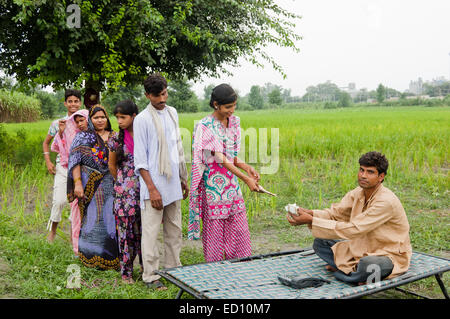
<point>268,96</point>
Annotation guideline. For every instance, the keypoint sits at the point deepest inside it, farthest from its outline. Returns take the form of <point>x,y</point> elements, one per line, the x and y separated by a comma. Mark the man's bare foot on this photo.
<point>330,268</point>
<point>51,237</point>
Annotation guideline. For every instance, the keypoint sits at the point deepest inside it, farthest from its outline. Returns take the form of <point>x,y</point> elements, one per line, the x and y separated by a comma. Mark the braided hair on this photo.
<point>127,107</point>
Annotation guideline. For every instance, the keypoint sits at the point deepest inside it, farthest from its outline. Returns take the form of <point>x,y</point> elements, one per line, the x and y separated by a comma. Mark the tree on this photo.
<point>381,93</point>
<point>275,97</point>
<point>119,42</point>
<point>134,93</point>
<point>345,100</point>
<point>49,104</point>
<point>182,97</point>
<point>327,91</point>
<point>207,90</point>
<point>434,90</point>
<point>6,82</point>
<point>255,98</point>
<point>286,96</point>
<point>267,88</point>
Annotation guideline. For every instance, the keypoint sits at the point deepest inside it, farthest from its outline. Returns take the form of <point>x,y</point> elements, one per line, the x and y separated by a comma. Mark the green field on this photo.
<point>318,163</point>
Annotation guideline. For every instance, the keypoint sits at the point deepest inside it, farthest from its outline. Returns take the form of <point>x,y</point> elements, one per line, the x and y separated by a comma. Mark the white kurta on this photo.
<point>146,155</point>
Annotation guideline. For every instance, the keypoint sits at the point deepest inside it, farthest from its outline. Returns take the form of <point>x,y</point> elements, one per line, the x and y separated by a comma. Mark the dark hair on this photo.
<point>375,159</point>
<point>127,107</point>
<point>91,97</point>
<point>72,92</point>
<point>222,94</point>
<point>77,115</point>
<point>154,84</point>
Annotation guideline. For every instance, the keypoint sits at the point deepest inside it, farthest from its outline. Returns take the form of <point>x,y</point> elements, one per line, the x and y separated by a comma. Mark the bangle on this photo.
<point>77,179</point>
<point>45,153</point>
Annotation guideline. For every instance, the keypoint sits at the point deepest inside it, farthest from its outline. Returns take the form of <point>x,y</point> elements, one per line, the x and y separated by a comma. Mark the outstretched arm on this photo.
<point>249,180</point>
<point>248,168</point>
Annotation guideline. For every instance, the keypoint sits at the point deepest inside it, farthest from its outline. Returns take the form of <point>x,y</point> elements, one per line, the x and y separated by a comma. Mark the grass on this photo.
<point>318,152</point>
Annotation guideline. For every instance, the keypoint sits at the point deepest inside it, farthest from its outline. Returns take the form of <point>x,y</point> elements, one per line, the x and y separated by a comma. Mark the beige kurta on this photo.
<point>378,228</point>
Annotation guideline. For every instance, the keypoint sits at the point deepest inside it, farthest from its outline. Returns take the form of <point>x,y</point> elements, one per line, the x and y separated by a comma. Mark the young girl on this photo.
<point>126,202</point>
<point>215,195</point>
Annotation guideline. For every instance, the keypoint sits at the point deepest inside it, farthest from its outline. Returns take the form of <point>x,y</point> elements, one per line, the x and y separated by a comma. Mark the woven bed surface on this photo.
<point>258,278</point>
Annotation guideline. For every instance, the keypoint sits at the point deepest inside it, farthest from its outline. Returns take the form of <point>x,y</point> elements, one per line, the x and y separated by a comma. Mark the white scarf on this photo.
<point>163,153</point>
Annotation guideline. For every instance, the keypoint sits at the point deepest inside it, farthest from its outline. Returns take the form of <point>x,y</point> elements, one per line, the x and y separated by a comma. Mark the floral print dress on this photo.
<point>215,195</point>
<point>126,209</point>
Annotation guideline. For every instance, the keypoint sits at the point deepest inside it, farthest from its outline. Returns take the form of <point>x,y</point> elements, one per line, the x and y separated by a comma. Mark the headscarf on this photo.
<point>62,144</point>
<point>71,122</point>
<point>96,108</point>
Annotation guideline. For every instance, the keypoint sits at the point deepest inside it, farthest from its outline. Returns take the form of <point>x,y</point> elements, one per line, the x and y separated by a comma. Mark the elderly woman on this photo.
<point>90,181</point>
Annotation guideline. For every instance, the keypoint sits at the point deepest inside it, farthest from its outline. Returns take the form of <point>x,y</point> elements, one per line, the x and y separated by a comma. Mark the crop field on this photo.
<point>310,158</point>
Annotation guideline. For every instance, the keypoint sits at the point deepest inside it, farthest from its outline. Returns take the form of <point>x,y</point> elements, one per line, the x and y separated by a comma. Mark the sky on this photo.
<point>366,42</point>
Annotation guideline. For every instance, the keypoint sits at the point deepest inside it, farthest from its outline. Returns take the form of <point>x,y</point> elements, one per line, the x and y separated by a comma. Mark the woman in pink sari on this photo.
<point>77,122</point>
<point>215,196</point>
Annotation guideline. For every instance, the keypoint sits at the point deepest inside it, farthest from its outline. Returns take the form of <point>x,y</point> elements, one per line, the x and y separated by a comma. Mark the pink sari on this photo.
<point>62,145</point>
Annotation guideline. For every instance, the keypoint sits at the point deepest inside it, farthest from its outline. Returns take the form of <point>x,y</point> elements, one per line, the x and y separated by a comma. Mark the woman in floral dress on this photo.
<point>215,195</point>
<point>126,201</point>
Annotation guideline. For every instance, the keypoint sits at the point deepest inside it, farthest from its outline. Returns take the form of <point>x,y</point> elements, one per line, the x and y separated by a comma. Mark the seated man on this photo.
<point>371,224</point>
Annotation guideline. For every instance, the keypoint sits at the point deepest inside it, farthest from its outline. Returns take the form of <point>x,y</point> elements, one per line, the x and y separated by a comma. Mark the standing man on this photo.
<point>159,162</point>
<point>372,223</point>
<point>72,101</point>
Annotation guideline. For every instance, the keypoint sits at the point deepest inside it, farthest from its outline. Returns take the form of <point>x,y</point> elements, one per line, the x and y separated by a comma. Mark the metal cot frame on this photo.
<point>199,295</point>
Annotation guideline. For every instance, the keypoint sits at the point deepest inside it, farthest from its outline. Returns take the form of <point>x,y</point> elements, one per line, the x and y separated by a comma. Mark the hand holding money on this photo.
<point>262,190</point>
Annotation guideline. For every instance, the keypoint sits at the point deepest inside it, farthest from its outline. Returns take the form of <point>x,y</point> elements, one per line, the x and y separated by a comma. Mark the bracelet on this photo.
<point>77,179</point>
<point>45,153</point>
